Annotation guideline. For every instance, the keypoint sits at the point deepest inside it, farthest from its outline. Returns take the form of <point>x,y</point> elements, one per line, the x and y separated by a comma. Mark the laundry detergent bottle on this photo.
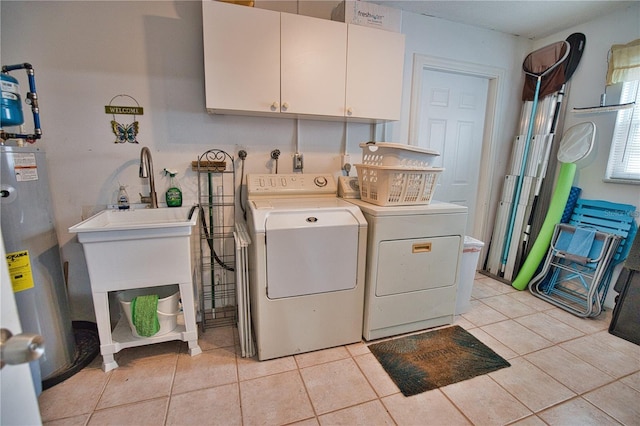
<point>173,195</point>
<point>123,198</point>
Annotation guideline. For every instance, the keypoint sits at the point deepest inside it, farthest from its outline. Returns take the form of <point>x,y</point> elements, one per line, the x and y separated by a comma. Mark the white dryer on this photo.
<point>306,264</point>
<point>413,263</point>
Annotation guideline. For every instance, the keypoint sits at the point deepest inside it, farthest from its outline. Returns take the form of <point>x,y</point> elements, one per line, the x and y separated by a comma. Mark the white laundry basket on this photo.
<point>168,306</point>
<point>470,257</point>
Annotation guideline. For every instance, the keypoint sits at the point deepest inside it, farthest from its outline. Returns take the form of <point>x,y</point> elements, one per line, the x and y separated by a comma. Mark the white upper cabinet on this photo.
<point>313,63</point>
<point>241,58</point>
<point>375,60</point>
<point>261,62</point>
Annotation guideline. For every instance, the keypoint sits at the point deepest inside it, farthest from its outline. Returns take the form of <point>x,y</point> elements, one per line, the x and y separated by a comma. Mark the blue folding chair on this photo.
<point>577,271</point>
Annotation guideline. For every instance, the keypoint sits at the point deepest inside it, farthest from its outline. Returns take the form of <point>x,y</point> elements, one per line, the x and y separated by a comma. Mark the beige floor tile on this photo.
<point>527,298</point>
<point>218,337</point>
<point>586,325</point>
<point>139,380</point>
<point>529,421</point>
<point>576,412</point>
<point>276,399</point>
<point>210,368</point>
<point>213,406</point>
<point>69,421</point>
<point>307,422</point>
<point>508,306</point>
<point>129,356</point>
<point>619,344</point>
<point>633,381</point>
<point>549,328</point>
<point>426,408</point>
<point>344,381</point>
<point>617,400</point>
<point>484,402</point>
<point>84,389</point>
<point>251,368</point>
<point>493,344</point>
<point>597,353</point>
<point>568,369</point>
<point>369,413</point>
<point>336,385</point>
<point>150,413</point>
<point>376,375</point>
<point>462,322</point>
<point>498,286</point>
<point>516,337</point>
<point>359,348</point>
<point>320,357</point>
<point>481,290</point>
<point>481,314</point>
<point>530,385</point>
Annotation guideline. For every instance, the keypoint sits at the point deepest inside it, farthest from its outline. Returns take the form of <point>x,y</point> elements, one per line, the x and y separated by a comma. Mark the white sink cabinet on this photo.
<point>262,62</point>
<point>139,249</point>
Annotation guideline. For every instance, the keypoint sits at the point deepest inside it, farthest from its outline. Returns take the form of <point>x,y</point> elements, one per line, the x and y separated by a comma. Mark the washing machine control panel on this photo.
<point>290,184</point>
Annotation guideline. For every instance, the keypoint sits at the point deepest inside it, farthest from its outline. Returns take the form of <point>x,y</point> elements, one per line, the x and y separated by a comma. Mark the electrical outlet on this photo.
<point>297,161</point>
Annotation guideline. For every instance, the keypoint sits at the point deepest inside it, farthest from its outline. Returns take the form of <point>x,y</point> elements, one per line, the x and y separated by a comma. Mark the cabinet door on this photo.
<point>313,62</point>
<point>375,59</point>
<point>241,58</point>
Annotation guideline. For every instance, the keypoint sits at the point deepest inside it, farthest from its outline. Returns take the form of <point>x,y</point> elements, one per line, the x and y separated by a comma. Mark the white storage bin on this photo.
<point>168,306</point>
<point>468,266</point>
<point>396,155</point>
<point>397,186</point>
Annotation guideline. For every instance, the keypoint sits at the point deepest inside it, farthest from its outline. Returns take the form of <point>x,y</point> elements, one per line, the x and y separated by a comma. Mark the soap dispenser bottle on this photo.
<point>123,198</point>
<point>173,195</point>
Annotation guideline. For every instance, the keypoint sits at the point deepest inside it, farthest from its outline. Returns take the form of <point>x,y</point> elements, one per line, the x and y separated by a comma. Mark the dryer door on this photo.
<point>417,264</point>
<point>310,252</point>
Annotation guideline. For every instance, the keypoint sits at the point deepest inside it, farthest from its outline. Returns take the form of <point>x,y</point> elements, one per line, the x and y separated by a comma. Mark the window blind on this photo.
<point>624,157</point>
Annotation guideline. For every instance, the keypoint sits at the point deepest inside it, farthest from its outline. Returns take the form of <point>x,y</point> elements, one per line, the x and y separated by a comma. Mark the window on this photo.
<point>624,158</point>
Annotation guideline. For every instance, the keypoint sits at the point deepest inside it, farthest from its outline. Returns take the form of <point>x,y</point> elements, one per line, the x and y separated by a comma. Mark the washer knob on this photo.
<point>320,181</point>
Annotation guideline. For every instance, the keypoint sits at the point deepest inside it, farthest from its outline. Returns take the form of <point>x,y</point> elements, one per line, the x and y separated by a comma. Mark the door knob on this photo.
<point>19,349</point>
<point>274,106</point>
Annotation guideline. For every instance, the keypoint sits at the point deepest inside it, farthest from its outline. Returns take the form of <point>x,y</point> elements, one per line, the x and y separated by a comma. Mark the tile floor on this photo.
<point>564,371</point>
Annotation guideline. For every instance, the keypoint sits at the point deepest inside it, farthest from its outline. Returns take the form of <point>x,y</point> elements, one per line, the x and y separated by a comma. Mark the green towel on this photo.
<point>144,315</point>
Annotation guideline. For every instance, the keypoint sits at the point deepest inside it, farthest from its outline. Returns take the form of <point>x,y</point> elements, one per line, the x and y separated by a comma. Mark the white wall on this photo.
<point>85,53</point>
<point>587,83</point>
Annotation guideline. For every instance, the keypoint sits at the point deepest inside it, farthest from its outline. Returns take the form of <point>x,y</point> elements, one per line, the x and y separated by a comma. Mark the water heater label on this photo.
<point>25,167</point>
<point>20,270</point>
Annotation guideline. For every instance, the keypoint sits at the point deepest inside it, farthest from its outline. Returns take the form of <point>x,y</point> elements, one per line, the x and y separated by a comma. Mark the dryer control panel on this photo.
<point>284,185</point>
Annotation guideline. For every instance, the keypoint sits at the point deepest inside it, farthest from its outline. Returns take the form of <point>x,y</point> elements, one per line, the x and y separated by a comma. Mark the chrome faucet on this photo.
<point>146,171</point>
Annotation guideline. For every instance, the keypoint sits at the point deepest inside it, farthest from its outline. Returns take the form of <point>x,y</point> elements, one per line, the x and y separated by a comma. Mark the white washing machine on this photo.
<point>413,263</point>
<point>306,264</point>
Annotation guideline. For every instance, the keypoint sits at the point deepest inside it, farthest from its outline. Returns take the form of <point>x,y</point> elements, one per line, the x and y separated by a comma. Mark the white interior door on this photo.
<point>18,401</point>
<point>452,112</point>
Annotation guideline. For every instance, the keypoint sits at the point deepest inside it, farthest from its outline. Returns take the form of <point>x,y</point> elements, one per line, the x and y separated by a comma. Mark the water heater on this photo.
<point>29,233</point>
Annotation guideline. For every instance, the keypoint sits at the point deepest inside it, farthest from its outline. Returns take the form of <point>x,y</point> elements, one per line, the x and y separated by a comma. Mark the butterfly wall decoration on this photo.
<point>125,132</point>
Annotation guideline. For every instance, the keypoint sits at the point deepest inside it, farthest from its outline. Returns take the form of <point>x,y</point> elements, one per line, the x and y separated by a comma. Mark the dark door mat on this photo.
<point>87,348</point>
<point>430,360</point>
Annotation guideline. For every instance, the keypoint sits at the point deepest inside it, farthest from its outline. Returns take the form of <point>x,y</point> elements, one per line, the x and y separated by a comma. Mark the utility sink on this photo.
<point>130,249</point>
<point>140,223</point>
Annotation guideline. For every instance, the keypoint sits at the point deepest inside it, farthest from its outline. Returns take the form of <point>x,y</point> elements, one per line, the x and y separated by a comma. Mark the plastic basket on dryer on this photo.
<point>397,186</point>
<point>393,174</point>
<point>396,154</point>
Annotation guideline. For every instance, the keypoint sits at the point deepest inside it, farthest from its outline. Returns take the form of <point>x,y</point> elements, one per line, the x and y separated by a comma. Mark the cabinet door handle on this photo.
<point>285,106</point>
<point>274,106</point>
<point>421,248</point>
<point>349,111</point>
